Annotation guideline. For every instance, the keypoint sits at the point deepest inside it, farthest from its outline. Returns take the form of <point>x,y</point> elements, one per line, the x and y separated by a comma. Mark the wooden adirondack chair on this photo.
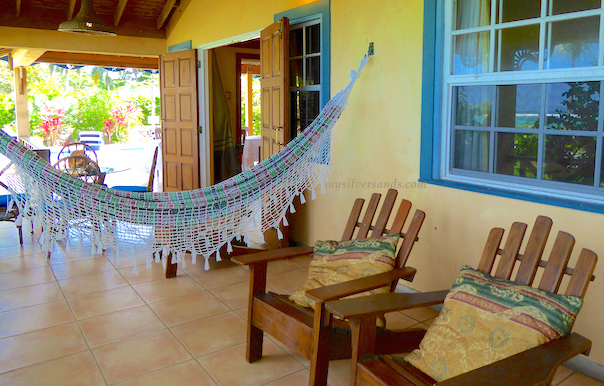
<point>532,367</point>
<point>310,332</point>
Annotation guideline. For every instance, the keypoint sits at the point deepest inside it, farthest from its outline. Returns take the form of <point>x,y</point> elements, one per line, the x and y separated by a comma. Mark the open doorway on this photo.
<point>249,111</point>
<point>232,62</point>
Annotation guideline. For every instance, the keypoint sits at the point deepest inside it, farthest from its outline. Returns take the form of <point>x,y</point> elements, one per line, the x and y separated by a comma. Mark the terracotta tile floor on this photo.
<point>81,320</point>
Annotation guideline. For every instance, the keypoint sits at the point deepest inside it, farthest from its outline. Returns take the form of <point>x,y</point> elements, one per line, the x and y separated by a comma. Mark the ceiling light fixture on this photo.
<point>87,22</point>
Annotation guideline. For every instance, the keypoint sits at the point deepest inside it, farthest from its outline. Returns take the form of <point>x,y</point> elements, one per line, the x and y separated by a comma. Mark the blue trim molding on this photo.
<point>188,45</point>
<point>428,150</point>
<point>306,12</point>
<point>524,196</point>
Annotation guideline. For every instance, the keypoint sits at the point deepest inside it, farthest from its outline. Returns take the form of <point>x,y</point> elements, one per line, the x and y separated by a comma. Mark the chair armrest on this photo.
<point>271,255</point>
<point>356,286</point>
<point>533,367</point>
<point>383,303</point>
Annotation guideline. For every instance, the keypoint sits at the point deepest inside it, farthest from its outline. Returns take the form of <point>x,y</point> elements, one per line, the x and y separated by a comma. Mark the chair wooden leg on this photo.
<point>319,361</point>
<point>362,328</point>
<point>170,267</point>
<point>255,336</point>
<point>20,230</point>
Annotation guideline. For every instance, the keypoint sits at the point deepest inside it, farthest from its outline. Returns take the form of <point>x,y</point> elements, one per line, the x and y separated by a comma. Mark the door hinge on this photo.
<point>199,129</point>
<point>198,64</point>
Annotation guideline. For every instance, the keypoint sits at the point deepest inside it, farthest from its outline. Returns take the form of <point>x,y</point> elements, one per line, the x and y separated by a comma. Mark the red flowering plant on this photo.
<point>52,125</point>
<point>123,116</point>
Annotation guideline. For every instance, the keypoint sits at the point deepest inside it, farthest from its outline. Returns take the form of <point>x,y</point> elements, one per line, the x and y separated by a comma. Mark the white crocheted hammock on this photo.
<point>140,225</point>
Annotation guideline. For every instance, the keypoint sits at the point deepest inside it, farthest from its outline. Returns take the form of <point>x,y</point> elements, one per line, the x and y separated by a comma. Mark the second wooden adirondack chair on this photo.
<point>520,308</point>
<point>315,334</point>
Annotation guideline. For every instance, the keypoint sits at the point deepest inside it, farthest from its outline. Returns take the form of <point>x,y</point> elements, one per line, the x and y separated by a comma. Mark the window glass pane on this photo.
<point>512,10</point>
<point>313,105</point>
<point>295,42</point>
<point>474,105</point>
<point>471,150</point>
<point>573,43</point>
<point>516,154</point>
<point>473,13</point>
<point>519,106</point>
<point>471,53</point>
<point>570,159</point>
<point>313,39</point>
<point>295,73</point>
<point>573,105</point>
<point>518,48</point>
<point>565,6</point>
<point>313,71</point>
<point>295,111</point>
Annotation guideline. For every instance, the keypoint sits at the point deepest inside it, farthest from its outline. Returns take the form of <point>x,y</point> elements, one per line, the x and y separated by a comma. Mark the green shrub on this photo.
<point>7,110</point>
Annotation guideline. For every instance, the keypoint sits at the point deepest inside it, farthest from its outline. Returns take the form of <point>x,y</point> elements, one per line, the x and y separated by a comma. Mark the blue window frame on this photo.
<point>309,61</point>
<point>486,150</point>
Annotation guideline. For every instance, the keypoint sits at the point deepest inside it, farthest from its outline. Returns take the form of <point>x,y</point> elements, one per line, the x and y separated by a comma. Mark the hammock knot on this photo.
<point>354,75</point>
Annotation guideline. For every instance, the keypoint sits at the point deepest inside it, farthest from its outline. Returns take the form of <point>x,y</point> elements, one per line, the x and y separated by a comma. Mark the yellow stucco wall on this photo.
<point>378,140</point>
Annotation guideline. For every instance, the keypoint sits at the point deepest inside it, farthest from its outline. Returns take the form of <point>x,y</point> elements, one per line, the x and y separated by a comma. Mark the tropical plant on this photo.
<point>123,116</point>
<point>90,111</point>
<point>52,125</point>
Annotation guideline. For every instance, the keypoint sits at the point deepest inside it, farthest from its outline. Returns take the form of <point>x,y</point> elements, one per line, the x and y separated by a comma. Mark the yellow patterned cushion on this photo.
<point>339,261</point>
<point>486,319</point>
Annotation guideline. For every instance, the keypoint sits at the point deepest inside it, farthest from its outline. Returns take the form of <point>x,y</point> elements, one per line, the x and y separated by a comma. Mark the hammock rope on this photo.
<point>141,225</point>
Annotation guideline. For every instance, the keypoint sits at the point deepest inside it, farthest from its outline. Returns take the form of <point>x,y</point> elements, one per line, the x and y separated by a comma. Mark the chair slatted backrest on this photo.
<point>554,269</point>
<point>152,171</point>
<point>378,228</point>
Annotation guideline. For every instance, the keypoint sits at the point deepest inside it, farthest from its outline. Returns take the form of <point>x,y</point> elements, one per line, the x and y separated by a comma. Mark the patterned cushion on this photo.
<point>486,319</point>
<point>339,261</point>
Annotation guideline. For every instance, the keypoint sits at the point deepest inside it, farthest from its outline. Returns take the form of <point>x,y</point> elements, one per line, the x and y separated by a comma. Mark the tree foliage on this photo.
<point>89,98</point>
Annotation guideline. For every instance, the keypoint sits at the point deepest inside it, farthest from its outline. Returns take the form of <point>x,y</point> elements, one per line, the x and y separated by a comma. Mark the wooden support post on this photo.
<point>21,112</point>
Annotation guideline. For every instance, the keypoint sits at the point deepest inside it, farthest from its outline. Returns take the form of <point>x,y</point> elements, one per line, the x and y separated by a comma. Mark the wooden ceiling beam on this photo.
<point>18,8</point>
<point>24,57</point>
<point>5,51</point>
<point>114,61</point>
<point>165,12</point>
<point>71,9</point>
<point>119,11</point>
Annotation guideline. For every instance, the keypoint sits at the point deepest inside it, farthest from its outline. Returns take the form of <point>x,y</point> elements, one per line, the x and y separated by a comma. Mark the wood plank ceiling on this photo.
<point>141,18</point>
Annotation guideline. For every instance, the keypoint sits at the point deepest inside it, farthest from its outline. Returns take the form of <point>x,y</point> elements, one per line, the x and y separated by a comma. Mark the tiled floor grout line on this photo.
<point>182,343</point>
<point>75,319</point>
<point>245,320</point>
<point>81,331</point>
<point>565,378</point>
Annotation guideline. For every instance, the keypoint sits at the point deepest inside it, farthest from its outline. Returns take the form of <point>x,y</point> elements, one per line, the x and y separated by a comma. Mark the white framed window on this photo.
<point>521,96</point>
<point>304,73</point>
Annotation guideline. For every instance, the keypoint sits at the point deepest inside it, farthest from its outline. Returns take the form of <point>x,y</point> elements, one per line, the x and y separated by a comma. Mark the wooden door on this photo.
<point>179,119</point>
<point>274,67</point>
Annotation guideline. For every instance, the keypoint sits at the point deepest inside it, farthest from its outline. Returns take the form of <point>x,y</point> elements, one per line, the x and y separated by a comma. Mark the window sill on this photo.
<point>525,196</point>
